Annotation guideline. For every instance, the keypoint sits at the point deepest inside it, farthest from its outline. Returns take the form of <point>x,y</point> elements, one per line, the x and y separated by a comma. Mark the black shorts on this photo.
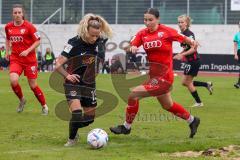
<point>192,68</point>
<point>85,93</point>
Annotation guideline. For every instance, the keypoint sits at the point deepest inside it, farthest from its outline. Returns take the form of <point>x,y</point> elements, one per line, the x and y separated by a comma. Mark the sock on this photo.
<point>39,95</point>
<point>190,119</point>
<point>132,110</point>
<point>196,97</point>
<point>73,124</point>
<point>179,111</point>
<point>127,125</point>
<point>239,79</point>
<point>18,91</point>
<point>200,84</point>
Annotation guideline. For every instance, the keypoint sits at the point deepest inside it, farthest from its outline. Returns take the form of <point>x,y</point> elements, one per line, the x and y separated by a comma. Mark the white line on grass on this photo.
<point>35,150</point>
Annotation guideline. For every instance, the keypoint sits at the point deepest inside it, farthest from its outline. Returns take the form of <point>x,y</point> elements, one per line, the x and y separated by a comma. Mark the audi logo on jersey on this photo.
<point>16,39</point>
<point>152,44</point>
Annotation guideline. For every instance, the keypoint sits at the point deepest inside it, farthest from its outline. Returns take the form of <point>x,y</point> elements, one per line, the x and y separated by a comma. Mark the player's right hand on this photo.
<point>133,49</point>
<point>7,57</point>
<point>73,78</point>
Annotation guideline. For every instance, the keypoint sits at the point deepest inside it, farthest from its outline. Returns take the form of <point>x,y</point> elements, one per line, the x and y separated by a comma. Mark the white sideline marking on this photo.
<point>27,91</point>
<point>35,150</point>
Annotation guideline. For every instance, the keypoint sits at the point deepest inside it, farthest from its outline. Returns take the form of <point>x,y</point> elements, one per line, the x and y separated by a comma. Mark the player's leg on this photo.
<point>15,72</point>
<point>187,81</point>
<point>83,113</point>
<point>153,87</point>
<point>76,110</point>
<point>193,71</point>
<point>131,110</point>
<point>179,111</point>
<point>39,95</point>
<point>31,72</point>
<point>237,85</point>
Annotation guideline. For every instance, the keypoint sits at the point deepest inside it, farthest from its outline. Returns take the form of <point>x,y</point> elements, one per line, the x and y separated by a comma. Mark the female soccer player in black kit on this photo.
<point>80,56</point>
<point>191,57</point>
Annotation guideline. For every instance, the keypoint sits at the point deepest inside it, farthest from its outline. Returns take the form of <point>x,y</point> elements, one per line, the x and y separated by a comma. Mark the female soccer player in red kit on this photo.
<point>157,42</point>
<point>21,39</point>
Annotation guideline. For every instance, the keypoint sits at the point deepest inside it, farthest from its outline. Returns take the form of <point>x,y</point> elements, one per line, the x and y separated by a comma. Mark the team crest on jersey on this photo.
<point>160,34</point>
<point>73,93</point>
<point>33,69</point>
<point>22,31</point>
<point>68,48</point>
<point>154,82</point>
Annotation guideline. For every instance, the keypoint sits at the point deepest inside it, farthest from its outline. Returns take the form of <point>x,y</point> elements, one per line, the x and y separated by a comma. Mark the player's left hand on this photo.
<point>178,57</point>
<point>24,53</point>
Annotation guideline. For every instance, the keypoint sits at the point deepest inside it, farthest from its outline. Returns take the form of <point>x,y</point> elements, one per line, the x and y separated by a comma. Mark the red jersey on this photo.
<point>21,38</point>
<point>158,47</point>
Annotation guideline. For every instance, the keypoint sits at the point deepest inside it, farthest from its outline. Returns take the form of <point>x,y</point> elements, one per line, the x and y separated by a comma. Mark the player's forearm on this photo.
<point>7,47</point>
<point>59,66</point>
<point>188,52</point>
<point>33,46</point>
<point>62,71</point>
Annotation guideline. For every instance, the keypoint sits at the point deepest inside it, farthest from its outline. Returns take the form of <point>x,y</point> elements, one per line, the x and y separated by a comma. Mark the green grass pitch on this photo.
<point>29,135</point>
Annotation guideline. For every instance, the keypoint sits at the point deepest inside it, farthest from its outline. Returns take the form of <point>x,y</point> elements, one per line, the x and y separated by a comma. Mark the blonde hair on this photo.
<point>187,19</point>
<point>94,21</point>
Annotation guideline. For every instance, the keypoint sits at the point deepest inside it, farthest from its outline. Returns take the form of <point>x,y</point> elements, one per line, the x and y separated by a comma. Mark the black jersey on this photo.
<point>81,59</point>
<point>195,55</point>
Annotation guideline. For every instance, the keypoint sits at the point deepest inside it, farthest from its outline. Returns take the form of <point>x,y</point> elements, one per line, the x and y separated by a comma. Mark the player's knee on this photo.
<point>184,83</point>
<point>88,119</point>
<point>133,101</point>
<point>79,120</point>
<point>32,85</point>
<point>14,83</point>
<point>133,95</point>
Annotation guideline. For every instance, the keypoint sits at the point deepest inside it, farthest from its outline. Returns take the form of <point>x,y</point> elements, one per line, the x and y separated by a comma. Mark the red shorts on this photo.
<point>158,86</point>
<point>30,70</point>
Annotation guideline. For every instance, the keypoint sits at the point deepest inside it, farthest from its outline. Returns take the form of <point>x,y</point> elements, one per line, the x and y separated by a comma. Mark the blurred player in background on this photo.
<point>236,41</point>
<point>22,39</point>
<point>80,86</point>
<point>192,59</point>
<point>157,42</point>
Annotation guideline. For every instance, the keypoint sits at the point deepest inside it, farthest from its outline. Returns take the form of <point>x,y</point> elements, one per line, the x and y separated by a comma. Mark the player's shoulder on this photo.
<point>9,24</point>
<point>28,24</point>
<point>142,31</point>
<point>163,27</point>
<point>189,32</point>
<point>74,41</point>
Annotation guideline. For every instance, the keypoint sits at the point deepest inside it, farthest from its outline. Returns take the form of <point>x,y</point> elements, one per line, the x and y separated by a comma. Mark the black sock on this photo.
<point>78,121</point>
<point>73,124</point>
<point>196,97</point>
<point>200,84</point>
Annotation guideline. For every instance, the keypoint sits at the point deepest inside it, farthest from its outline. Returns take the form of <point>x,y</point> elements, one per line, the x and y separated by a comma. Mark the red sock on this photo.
<point>132,110</point>
<point>179,111</point>
<point>18,91</point>
<point>39,95</point>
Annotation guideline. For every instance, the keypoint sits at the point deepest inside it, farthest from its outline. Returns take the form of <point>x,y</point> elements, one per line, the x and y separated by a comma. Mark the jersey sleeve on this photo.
<point>34,33</point>
<point>176,36</point>
<point>235,39</point>
<point>136,40</point>
<point>68,50</point>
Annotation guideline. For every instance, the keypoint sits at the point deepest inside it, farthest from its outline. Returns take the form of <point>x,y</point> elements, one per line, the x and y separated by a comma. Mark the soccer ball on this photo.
<point>97,138</point>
